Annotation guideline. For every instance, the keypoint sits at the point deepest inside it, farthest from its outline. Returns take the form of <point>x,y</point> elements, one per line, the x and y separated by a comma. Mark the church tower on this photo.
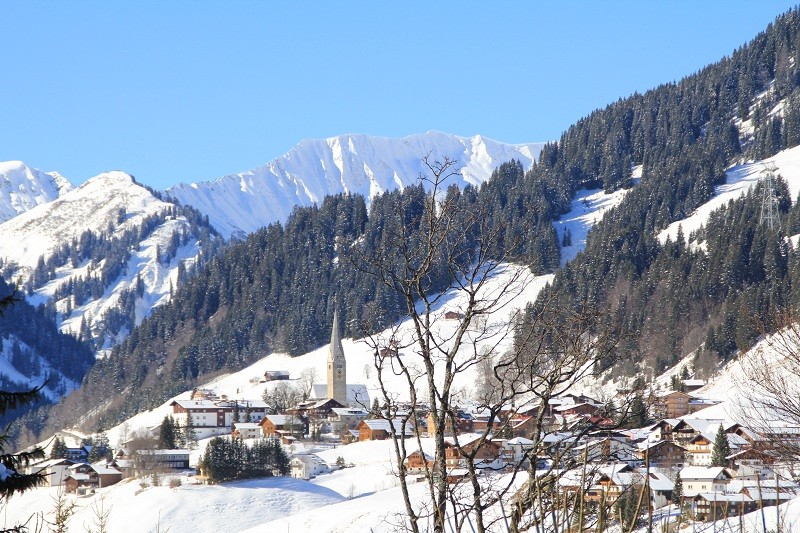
<point>337,369</point>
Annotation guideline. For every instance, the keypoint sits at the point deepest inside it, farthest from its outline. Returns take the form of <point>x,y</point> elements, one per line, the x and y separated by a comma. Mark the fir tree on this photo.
<point>677,490</point>
<point>721,449</point>
<point>59,449</point>
<point>166,434</point>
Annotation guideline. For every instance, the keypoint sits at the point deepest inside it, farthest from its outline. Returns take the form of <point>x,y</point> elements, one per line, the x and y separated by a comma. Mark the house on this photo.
<point>673,404</point>
<point>453,315</point>
<point>608,449</point>
<point>686,429</point>
<point>379,429</point>
<point>418,462</point>
<point>247,430</point>
<point>307,465</point>
<point>577,409</point>
<point>516,451</point>
<point>281,426</point>
<point>704,479</point>
<point>177,459</point>
<point>710,506</point>
<point>83,476</point>
<point>608,483</point>
<point>276,375</point>
<point>78,454</point>
<point>55,471</point>
<point>484,454</point>
<point>691,385</point>
<point>662,454</point>
<point>211,418</point>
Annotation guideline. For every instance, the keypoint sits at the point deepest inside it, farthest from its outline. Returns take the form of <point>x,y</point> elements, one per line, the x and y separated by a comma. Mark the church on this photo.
<point>347,394</point>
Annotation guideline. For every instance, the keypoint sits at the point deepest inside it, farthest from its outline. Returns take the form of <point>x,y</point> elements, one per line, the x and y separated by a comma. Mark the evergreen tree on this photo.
<point>721,449</point>
<point>12,481</point>
<point>677,490</point>
<point>59,449</point>
<point>166,434</point>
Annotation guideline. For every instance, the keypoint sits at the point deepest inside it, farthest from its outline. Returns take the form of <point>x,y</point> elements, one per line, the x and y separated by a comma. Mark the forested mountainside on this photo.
<point>672,298</point>
<point>33,352</point>
<point>100,256</point>
<point>276,289</point>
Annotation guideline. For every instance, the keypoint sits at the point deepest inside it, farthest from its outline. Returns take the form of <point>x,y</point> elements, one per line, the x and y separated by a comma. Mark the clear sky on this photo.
<point>190,91</point>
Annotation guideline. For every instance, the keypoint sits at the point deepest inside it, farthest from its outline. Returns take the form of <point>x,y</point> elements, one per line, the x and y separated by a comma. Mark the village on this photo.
<point>708,468</point>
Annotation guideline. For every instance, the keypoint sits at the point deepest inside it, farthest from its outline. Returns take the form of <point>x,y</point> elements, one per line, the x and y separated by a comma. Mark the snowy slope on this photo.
<point>110,203</point>
<point>362,498</point>
<point>241,203</point>
<point>22,188</point>
<point>739,180</point>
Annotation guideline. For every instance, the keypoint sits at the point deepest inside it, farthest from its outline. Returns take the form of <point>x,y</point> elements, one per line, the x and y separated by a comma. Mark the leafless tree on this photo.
<point>769,383</point>
<point>308,377</point>
<point>552,350</point>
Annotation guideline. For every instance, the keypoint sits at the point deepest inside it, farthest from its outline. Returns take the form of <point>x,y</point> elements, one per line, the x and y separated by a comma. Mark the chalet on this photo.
<point>704,479</point>
<point>55,471</point>
<point>317,408</point>
<point>577,409</point>
<point>686,429</point>
<point>281,426</point>
<point>247,430</point>
<point>276,375</point>
<point>710,506</point>
<point>453,315</point>
<point>307,465</point>
<point>662,430</point>
<point>691,385</point>
<point>768,492</point>
<point>662,454</point>
<point>204,394</point>
<point>214,417</point>
<point>673,404</point>
<point>610,483</point>
<point>486,454</point>
<point>174,459</point>
<point>78,454</point>
<point>379,429</point>
<point>83,476</point>
<point>609,449</point>
<point>418,462</point>
<point>517,450</point>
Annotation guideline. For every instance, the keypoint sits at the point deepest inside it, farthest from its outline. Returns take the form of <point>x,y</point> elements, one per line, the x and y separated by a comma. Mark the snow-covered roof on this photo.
<point>356,393</point>
<point>349,411</point>
<point>702,472</point>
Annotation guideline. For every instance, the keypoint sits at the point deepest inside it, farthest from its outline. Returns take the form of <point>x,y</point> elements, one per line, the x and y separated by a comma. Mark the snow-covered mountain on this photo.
<point>241,203</point>
<point>103,242</point>
<point>22,188</point>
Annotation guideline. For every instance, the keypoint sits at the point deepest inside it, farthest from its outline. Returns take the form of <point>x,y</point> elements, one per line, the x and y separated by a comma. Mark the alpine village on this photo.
<point>598,333</point>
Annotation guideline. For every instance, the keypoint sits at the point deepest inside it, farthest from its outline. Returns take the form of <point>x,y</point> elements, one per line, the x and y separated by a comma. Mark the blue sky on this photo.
<point>190,91</point>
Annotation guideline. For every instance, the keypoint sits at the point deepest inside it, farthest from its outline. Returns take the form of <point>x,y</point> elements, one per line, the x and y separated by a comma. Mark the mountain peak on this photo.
<point>356,163</point>
<point>23,187</point>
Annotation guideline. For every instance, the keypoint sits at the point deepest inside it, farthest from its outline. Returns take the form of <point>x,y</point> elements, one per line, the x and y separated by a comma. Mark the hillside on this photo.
<point>239,204</point>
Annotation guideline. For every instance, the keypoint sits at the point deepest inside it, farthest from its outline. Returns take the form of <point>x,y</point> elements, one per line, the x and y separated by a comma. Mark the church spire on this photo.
<point>337,366</point>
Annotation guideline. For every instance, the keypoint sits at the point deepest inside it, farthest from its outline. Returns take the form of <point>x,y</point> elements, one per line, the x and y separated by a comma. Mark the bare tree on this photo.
<point>446,236</point>
<point>769,383</point>
<point>308,377</point>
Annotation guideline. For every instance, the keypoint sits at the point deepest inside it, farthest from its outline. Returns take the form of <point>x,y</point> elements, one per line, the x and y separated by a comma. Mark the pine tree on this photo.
<point>677,490</point>
<point>11,480</point>
<point>166,434</point>
<point>721,449</point>
<point>59,449</point>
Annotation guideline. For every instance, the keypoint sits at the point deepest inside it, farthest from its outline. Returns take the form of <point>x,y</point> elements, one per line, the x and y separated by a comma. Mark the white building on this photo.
<point>306,465</point>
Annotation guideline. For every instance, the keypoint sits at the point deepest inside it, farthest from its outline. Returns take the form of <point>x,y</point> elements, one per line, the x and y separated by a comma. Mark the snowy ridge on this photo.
<point>22,188</point>
<point>241,203</point>
<point>110,203</point>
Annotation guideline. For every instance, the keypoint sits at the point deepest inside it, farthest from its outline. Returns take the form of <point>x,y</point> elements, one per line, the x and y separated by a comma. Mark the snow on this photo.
<point>22,188</point>
<point>588,208</point>
<point>241,203</point>
<point>739,179</point>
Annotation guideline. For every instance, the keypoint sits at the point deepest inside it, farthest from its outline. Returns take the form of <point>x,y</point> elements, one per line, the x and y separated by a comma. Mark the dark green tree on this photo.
<point>59,449</point>
<point>166,434</point>
<point>721,449</point>
<point>12,481</point>
<point>677,490</point>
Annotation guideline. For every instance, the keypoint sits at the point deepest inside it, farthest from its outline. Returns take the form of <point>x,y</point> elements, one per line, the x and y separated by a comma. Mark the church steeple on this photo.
<point>337,366</point>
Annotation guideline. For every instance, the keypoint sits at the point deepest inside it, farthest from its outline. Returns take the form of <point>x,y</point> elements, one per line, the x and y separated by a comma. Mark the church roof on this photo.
<point>356,393</point>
